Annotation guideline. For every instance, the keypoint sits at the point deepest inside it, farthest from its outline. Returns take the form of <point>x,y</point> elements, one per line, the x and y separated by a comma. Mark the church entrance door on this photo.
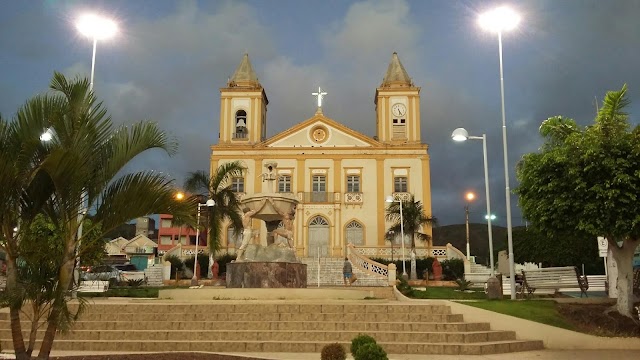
<point>318,237</point>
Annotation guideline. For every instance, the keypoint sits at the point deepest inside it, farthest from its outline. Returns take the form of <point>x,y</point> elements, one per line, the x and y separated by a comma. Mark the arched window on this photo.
<point>354,233</point>
<point>318,221</point>
<point>241,125</point>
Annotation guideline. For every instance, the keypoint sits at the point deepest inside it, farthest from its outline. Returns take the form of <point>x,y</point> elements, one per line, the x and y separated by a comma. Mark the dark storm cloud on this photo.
<point>172,57</point>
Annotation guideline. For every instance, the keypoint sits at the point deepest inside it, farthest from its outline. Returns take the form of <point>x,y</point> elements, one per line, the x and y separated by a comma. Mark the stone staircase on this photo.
<point>263,326</point>
<point>479,274</point>
<point>331,273</point>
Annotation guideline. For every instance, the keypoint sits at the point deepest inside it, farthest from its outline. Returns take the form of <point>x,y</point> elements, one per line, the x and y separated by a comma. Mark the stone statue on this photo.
<point>270,176</point>
<point>246,227</point>
<point>287,220</point>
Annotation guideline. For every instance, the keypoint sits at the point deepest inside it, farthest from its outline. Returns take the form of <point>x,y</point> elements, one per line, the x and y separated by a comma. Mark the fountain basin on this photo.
<point>282,201</point>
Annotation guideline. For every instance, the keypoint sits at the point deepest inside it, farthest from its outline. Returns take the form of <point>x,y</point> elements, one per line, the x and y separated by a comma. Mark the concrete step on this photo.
<point>322,317</point>
<point>274,325</point>
<point>279,335</point>
<point>253,326</point>
<point>285,345</point>
<point>226,308</point>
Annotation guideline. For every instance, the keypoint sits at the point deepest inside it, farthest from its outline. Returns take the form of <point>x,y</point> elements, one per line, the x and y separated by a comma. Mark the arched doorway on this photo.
<point>354,233</point>
<point>318,237</point>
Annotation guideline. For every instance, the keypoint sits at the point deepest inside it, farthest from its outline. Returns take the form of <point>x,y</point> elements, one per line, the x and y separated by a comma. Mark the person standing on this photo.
<point>347,272</point>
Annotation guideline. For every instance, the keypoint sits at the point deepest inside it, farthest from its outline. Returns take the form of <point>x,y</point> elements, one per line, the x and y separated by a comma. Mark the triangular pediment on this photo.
<point>320,131</point>
<point>140,241</point>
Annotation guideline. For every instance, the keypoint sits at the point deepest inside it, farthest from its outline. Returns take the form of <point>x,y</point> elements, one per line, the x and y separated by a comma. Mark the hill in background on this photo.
<point>478,239</point>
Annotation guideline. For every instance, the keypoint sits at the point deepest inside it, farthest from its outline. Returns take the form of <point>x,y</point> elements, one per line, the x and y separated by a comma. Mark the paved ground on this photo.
<point>527,355</point>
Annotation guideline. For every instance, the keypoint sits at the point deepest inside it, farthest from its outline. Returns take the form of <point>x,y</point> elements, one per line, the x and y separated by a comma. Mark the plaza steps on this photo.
<point>331,273</point>
<point>262,326</point>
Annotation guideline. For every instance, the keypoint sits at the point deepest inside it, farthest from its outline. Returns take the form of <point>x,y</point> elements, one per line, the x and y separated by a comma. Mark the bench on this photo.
<point>554,278</point>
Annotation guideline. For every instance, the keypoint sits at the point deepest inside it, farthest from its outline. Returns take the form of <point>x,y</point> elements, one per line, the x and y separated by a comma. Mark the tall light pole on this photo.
<point>499,20</point>
<point>469,196</point>
<point>209,204</point>
<point>391,200</point>
<point>461,134</point>
<point>95,28</point>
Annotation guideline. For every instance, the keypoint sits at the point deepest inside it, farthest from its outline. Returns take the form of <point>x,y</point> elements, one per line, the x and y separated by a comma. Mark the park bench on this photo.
<point>554,278</point>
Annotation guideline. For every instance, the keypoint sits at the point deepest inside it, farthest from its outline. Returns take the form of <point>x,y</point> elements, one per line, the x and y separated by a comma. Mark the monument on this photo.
<point>274,265</point>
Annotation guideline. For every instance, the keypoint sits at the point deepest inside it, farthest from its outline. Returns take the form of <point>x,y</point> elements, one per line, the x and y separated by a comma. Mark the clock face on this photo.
<point>319,135</point>
<point>398,109</point>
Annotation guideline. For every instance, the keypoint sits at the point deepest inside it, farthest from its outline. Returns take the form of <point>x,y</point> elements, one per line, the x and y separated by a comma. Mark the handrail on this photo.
<point>367,264</point>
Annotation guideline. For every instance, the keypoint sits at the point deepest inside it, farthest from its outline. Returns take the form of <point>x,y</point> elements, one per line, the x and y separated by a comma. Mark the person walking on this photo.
<point>347,273</point>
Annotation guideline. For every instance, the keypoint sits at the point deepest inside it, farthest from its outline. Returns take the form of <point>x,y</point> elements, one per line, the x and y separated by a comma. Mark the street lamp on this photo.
<point>469,196</point>
<point>460,134</point>
<point>499,20</point>
<point>490,218</point>
<point>209,204</point>
<point>96,28</point>
<point>391,200</point>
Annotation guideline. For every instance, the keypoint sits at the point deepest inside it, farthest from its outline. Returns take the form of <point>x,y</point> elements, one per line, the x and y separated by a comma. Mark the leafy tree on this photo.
<point>82,165</point>
<point>587,180</point>
<point>218,187</point>
<point>414,220</point>
<point>556,249</point>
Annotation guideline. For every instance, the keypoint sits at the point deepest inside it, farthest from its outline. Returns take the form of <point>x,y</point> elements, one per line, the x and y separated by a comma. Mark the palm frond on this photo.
<point>140,194</point>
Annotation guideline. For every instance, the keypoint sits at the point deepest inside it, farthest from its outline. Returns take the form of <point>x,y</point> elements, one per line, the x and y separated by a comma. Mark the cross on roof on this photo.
<point>320,94</point>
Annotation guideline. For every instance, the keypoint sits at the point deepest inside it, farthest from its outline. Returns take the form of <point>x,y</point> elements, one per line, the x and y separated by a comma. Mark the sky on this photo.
<point>170,58</point>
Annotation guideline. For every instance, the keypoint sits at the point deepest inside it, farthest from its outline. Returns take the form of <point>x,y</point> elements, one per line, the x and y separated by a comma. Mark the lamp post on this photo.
<point>391,200</point>
<point>391,240</point>
<point>469,196</point>
<point>461,134</point>
<point>499,20</point>
<point>209,204</point>
<point>96,28</point>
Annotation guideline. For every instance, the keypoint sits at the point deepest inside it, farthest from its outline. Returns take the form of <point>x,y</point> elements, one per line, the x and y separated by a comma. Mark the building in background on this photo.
<point>146,226</point>
<point>340,176</point>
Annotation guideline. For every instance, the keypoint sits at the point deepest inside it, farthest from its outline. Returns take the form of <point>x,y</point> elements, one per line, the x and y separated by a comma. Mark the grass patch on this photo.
<point>542,311</point>
<point>446,293</point>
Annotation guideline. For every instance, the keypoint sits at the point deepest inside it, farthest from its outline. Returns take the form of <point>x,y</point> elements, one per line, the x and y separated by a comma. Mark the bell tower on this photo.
<point>397,106</point>
<point>243,108</point>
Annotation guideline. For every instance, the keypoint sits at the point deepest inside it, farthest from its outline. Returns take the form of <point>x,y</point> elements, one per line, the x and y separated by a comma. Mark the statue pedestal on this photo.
<point>266,275</point>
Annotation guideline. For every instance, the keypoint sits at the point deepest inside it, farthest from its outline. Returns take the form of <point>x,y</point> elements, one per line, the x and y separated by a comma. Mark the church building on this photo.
<point>340,177</point>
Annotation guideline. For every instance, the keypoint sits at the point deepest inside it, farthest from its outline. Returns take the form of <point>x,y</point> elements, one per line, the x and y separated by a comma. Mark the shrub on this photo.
<point>203,261</point>
<point>333,351</point>
<point>176,265</point>
<point>452,269</point>
<point>371,351</point>
<point>359,341</point>
<point>135,282</point>
<point>403,286</point>
<point>223,260</point>
<point>463,284</point>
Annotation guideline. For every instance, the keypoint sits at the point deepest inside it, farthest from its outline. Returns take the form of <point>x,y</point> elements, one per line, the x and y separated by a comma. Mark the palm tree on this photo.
<point>414,220</point>
<point>227,207</point>
<point>81,166</point>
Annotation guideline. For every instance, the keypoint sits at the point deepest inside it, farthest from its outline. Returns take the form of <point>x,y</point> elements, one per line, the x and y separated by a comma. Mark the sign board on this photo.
<point>603,246</point>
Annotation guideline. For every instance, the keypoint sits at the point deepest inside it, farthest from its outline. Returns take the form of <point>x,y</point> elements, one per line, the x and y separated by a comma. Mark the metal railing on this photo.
<point>318,197</point>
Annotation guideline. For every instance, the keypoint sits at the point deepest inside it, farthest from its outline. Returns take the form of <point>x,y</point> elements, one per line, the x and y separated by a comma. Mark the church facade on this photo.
<point>340,177</point>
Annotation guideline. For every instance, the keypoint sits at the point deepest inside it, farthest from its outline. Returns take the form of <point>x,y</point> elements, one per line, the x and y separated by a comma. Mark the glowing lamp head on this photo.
<point>96,27</point>
<point>499,19</point>
<point>179,196</point>
<point>47,135</point>
<point>460,134</point>
<point>470,196</point>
